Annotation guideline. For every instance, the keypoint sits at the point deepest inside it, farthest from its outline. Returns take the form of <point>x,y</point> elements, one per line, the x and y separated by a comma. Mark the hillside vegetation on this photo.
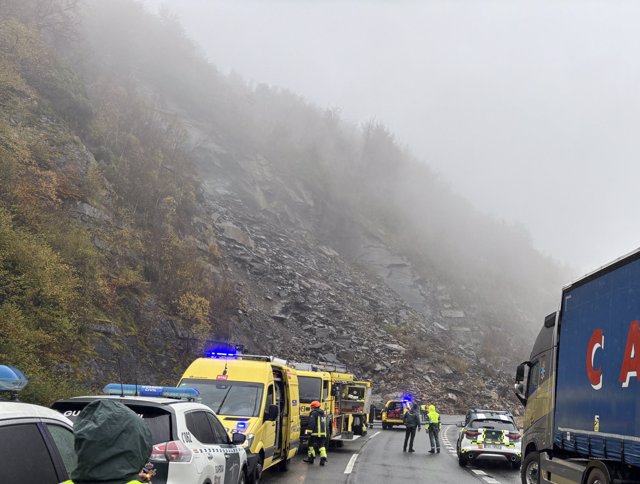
<point>109,255</point>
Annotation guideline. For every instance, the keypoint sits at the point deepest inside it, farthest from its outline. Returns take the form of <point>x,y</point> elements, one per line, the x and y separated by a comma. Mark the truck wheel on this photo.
<point>596,476</point>
<point>530,472</point>
<point>384,426</point>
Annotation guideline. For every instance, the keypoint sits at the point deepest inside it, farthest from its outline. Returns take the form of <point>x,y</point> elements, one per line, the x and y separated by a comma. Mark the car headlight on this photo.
<point>249,441</point>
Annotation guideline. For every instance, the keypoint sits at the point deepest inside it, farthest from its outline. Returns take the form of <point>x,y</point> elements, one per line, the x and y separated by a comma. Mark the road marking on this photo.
<point>374,435</point>
<point>351,463</point>
<point>479,472</point>
<point>490,480</point>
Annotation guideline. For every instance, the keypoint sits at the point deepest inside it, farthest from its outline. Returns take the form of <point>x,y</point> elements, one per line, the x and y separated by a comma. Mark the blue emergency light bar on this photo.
<point>11,379</point>
<point>222,352</point>
<point>150,391</point>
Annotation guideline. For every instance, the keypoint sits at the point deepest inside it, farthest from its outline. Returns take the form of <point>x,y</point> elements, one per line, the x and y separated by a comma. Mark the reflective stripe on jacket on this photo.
<point>317,424</point>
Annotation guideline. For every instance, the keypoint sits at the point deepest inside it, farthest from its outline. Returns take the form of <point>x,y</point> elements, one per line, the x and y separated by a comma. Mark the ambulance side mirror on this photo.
<point>272,413</point>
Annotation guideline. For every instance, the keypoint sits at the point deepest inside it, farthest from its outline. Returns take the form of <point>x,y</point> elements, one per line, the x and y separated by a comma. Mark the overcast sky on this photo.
<point>529,108</point>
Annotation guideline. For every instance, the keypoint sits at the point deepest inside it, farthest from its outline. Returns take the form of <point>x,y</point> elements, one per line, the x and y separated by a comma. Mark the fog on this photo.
<point>528,108</point>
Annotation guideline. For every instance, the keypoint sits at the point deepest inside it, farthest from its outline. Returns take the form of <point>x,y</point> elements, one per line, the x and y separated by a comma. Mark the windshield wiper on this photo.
<point>224,398</point>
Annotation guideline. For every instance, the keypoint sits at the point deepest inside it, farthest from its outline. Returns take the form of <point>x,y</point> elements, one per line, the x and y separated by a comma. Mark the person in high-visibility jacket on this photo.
<point>318,434</point>
<point>433,422</point>
<point>423,412</point>
<point>112,444</point>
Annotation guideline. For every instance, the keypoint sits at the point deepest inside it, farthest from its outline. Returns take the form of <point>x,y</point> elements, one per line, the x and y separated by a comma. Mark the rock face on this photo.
<point>306,297</point>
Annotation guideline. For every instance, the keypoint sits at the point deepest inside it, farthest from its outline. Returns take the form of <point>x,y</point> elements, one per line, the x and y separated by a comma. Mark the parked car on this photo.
<point>393,413</point>
<point>491,434</point>
<point>190,445</point>
<point>474,413</point>
<point>36,443</point>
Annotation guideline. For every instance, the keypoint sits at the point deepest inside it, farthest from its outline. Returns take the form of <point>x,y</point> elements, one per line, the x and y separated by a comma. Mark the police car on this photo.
<point>36,443</point>
<point>489,434</point>
<point>190,445</point>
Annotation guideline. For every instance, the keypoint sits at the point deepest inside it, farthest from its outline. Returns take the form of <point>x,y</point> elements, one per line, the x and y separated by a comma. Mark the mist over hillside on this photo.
<point>175,205</point>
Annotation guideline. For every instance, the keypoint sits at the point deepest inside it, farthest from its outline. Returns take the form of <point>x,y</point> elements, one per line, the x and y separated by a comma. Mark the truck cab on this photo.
<point>255,395</point>
<point>314,386</point>
<point>581,386</point>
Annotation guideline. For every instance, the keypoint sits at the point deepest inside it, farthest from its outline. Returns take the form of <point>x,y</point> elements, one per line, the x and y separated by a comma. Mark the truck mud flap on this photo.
<point>559,471</point>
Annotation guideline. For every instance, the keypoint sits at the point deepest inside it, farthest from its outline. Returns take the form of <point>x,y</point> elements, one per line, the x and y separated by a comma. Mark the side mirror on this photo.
<point>273,413</point>
<point>519,391</point>
<point>520,373</point>
<point>237,438</point>
<point>550,320</point>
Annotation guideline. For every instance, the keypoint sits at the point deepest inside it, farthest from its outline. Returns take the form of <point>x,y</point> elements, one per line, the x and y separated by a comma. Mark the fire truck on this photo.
<point>345,400</point>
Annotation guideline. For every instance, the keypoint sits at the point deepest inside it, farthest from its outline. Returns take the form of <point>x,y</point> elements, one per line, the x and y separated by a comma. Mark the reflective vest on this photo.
<point>319,429</point>
<point>433,417</point>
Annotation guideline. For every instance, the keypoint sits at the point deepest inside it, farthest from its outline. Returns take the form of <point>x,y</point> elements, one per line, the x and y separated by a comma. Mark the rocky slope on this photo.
<point>186,207</point>
<point>304,299</point>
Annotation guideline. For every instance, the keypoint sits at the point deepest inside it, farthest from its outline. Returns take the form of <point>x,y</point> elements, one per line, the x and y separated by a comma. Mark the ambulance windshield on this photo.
<point>240,399</point>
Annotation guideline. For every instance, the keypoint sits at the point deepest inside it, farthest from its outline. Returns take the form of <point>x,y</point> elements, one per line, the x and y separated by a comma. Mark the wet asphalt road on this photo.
<point>378,459</point>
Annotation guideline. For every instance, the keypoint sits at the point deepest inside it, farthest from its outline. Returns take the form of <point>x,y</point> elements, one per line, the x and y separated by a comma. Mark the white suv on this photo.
<point>190,445</point>
<point>489,434</point>
<point>36,443</point>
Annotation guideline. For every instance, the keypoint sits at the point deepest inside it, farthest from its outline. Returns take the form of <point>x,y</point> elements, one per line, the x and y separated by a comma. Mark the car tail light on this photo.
<point>471,434</point>
<point>174,451</point>
<point>514,436</point>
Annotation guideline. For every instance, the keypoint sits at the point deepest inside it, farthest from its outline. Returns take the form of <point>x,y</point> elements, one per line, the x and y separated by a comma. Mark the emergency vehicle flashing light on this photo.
<point>150,391</point>
<point>222,352</point>
<point>11,379</point>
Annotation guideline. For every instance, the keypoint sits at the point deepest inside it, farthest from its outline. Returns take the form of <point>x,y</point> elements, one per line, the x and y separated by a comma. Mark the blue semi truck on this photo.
<point>581,387</point>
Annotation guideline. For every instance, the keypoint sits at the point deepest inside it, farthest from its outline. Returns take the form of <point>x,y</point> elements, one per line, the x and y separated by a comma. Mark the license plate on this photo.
<point>492,446</point>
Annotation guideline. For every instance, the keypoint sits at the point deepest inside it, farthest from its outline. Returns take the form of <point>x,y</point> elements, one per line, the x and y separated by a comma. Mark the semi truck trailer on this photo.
<point>580,386</point>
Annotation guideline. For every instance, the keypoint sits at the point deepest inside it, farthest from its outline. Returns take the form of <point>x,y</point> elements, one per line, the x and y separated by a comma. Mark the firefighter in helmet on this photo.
<point>318,434</point>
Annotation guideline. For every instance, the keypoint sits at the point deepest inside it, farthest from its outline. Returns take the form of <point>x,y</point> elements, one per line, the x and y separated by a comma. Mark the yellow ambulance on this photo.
<point>255,395</point>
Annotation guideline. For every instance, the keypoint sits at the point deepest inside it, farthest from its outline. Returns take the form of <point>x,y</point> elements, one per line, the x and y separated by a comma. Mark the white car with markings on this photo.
<point>491,434</point>
<point>190,445</point>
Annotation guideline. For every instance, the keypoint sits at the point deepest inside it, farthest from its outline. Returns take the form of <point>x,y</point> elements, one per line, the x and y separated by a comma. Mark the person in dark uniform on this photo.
<point>318,434</point>
<point>372,415</point>
<point>411,420</point>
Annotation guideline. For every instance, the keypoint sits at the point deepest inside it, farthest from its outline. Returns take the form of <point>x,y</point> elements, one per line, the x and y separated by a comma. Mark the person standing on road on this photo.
<point>318,434</point>
<point>433,419</point>
<point>112,444</point>
<point>423,412</point>
<point>411,421</point>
